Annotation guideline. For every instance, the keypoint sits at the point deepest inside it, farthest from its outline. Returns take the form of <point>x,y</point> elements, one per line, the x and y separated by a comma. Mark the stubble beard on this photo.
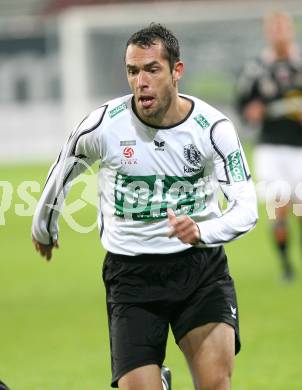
<point>157,114</point>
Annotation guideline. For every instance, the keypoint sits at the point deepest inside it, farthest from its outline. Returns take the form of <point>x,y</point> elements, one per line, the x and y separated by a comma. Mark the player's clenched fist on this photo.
<point>45,250</point>
<point>184,228</point>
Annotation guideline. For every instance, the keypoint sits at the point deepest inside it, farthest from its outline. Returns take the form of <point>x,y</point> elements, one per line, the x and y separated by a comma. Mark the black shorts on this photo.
<point>147,293</point>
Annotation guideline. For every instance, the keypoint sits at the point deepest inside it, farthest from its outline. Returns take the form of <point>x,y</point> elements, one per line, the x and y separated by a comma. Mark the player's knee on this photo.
<point>143,378</point>
<point>215,377</point>
<point>218,381</point>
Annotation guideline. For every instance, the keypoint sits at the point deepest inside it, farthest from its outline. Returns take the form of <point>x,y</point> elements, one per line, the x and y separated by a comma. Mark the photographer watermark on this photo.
<point>27,203</point>
<point>280,193</point>
<point>24,191</point>
<point>144,198</point>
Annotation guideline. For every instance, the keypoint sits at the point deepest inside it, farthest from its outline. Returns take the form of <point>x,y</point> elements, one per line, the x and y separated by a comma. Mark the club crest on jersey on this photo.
<point>159,145</point>
<point>192,155</point>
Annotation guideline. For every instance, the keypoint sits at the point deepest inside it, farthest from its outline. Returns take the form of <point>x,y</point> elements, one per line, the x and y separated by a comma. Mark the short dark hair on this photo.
<point>156,32</point>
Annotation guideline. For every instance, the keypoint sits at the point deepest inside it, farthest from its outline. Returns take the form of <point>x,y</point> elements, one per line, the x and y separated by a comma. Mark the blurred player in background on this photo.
<point>163,158</point>
<point>270,95</point>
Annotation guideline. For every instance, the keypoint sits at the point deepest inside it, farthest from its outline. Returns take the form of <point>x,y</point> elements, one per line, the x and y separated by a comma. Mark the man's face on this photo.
<point>151,81</point>
<point>279,31</point>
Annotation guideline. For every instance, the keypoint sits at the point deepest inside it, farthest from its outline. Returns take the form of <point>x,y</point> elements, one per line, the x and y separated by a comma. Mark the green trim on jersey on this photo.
<point>148,197</point>
<point>117,110</point>
<point>236,166</point>
<point>201,120</point>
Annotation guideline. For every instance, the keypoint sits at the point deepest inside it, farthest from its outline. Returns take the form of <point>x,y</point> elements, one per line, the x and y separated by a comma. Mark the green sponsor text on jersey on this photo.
<point>201,120</point>
<point>149,197</point>
<point>117,110</point>
<point>236,166</point>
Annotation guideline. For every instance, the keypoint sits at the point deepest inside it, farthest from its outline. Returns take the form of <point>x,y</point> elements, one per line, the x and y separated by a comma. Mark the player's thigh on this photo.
<point>209,350</point>
<point>138,337</point>
<point>216,302</point>
<point>206,327</point>
<point>144,378</point>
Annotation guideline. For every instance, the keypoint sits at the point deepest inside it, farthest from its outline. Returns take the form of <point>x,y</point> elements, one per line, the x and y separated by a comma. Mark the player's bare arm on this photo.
<point>184,228</point>
<point>45,250</point>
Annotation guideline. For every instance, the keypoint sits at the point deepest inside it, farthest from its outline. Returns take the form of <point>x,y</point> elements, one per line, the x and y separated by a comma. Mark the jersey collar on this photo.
<point>163,127</point>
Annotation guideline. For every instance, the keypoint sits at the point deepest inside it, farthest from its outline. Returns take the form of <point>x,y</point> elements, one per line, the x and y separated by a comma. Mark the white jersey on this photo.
<point>145,170</point>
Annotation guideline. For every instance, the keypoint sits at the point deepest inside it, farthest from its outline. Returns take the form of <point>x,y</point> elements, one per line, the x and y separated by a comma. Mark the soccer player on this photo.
<point>270,95</point>
<point>163,158</point>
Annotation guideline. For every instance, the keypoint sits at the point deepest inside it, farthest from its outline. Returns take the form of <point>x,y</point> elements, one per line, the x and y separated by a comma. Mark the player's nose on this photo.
<point>142,80</point>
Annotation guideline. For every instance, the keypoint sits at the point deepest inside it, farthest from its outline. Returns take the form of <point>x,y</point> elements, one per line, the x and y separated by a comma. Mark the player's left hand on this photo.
<point>43,249</point>
<point>184,228</point>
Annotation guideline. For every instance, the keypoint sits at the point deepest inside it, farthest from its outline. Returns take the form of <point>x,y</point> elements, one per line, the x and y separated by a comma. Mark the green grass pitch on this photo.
<point>53,324</point>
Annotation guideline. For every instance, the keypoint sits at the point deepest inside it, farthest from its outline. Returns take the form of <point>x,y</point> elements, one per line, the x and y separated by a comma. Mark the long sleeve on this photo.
<point>247,88</point>
<point>232,173</point>
<point>80,151</point>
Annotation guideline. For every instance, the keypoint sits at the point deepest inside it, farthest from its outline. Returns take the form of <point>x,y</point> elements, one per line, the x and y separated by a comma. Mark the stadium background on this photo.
<point>58,60</point>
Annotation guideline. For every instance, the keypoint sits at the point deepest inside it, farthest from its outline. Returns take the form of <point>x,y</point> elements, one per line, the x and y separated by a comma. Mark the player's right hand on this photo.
<point>184,228</point>
<point>45,250</point>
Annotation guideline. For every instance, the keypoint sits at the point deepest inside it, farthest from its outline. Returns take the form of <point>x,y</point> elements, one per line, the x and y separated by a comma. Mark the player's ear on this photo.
<point>178,70</point>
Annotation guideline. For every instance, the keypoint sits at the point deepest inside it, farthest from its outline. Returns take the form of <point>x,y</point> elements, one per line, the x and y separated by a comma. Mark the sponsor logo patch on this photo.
<point>201,120</point>
<point>128,152</point>
<point>128,142</point>
<point>159,145</point>
<point>149,197</point>
<point>117,110</point>
<point>192,170</point>
<point>236,166</point>
<point>234,312</point>
<point>128,157</point>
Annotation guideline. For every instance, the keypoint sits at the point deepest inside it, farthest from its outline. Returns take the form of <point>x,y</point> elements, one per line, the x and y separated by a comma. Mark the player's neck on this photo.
<point>283,52</point>
<point>177,112</point>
